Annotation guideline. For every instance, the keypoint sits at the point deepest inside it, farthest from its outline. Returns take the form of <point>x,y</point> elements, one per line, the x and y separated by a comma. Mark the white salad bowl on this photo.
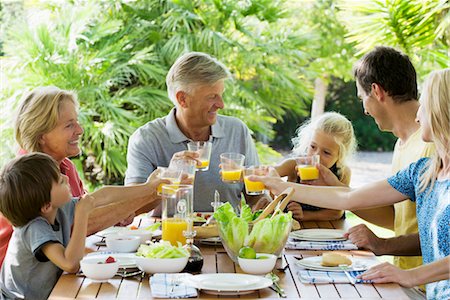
<point>97,269</point>
<point>161,265</point>
<point>144,234</point>
<point>122,243</point>
<point>262,264</point>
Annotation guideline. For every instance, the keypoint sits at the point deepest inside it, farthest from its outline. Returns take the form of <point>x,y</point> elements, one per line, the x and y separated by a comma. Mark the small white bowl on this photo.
<point>122,243</point>
<point>97,269</point>
<point>161,265</point>
<point>144,234</point>
<point>259,265</point>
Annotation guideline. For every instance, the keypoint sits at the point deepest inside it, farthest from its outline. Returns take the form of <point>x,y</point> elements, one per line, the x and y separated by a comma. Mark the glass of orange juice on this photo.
<point>306,167</point>
<point>255,187</point>
<point>177,212</point>
<point>232,165</point>
<point>186,166</point>
<point>173,175</point>
<point>204,152</point>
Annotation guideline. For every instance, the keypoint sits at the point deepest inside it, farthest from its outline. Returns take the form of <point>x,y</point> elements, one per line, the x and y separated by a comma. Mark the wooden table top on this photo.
<point>71,286</point>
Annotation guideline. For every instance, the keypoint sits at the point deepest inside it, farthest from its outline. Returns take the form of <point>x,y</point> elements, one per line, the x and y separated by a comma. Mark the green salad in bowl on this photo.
<point>268,235</point>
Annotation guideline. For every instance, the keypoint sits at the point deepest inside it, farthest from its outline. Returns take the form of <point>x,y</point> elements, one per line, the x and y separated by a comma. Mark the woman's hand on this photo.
<point>326,178</point>
<point>272,181</point>
<point>386,272</point>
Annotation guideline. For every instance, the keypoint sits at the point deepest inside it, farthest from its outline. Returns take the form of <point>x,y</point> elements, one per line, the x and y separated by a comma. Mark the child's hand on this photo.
<point>297,211</point>
<point>262,203</point>
<point>85,205</point>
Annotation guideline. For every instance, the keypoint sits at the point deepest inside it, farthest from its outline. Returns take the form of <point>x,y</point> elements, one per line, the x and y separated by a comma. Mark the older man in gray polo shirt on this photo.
<point>195,84</point>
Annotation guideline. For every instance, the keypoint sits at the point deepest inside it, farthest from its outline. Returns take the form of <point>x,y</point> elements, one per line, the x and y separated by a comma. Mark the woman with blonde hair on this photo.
<point>427,182</point>
<point>47,121</point>
<point>330,136</point>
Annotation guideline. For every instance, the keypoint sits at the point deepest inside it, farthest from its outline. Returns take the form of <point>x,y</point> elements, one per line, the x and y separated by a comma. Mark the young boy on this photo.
<point>50,225</point>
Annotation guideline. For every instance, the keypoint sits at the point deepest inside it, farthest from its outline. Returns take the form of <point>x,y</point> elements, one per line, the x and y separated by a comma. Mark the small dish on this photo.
<point>122,243</point>
<point>97,269</point>
<point>161,265</point>
<point>144,234</point>
<point>263,264</point>
<point>227,284</point>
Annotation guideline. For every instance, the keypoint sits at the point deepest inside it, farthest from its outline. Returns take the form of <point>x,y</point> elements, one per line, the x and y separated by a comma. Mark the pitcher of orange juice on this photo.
<point>177,212</point>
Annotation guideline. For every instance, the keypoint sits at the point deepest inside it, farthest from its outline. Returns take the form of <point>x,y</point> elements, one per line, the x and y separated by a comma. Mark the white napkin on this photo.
<point>308,276</point>
<point>171,286</point>
<point>327,245</point>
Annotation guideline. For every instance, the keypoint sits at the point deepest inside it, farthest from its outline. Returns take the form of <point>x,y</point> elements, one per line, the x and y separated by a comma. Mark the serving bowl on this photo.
<point>98,269</point>
<point>266,236</point>
<point>262,264</point>
<point>144,234</point>
<point>161,265</point>
<point>122,243</point>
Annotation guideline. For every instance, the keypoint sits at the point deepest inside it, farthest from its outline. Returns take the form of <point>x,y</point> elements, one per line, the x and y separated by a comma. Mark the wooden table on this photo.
<point>71,286</point>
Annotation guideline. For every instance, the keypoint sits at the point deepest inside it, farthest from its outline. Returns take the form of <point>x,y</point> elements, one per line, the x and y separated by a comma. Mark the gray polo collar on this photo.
<point>177,136</point>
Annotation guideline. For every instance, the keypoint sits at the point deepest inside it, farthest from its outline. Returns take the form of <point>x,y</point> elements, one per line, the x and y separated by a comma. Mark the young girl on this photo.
<point>331,136</point>
<point>427,182</point>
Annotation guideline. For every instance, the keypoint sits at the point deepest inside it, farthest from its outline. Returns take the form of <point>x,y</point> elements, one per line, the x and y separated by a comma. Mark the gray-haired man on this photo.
<point>195,84</point>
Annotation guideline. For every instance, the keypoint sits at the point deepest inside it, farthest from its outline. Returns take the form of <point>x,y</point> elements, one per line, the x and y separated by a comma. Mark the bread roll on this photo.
<point>331,259</point>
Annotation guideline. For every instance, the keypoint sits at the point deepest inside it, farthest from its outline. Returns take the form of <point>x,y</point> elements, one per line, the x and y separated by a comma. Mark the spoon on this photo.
<point>215,205</point>
<point>272,276</point>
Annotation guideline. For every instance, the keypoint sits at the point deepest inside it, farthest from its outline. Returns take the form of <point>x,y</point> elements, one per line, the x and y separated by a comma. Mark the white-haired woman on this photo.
<point>427,182</point>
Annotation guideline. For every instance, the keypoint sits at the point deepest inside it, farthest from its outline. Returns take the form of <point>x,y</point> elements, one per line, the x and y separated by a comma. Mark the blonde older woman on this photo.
<point>427,182</point>
<point>47,121</point>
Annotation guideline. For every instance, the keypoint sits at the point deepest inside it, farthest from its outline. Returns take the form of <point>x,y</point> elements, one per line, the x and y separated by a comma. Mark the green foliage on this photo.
<point>115,55</point>
<point>342,98</point>
<point>417,27</point>
<point>267,155</point>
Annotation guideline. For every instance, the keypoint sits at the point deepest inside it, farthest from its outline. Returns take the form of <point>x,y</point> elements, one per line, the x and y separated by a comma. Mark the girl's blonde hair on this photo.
<point>436,104</point>
<point>333,124</point>
<point>38,114</point>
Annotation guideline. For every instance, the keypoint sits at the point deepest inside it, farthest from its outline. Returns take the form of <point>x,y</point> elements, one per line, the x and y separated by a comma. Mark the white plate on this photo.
<point>318,234</point>
<point>314,263</point>
<point>117,229</point>
<point>126,260</point>
<point>109,230</point>
<point>228,283</point>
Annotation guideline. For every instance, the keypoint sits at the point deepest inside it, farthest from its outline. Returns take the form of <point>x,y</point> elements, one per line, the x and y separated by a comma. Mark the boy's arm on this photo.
<point>145,191</point>
<point>68,259</point>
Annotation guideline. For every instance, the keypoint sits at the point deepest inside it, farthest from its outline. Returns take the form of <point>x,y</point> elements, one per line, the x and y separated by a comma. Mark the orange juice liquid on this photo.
<point>205,163</point>
<point>308,172</point>
<point>160,186</point>
<point>172,230</point>
<point>231,175</point>
<point>253,186</point>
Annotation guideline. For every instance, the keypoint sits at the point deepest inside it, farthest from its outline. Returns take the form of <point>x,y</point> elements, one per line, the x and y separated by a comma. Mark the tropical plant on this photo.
<point>115,54</point>
<point>420,28</point>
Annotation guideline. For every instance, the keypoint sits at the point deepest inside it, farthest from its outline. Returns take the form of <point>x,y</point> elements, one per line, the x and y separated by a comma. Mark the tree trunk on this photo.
<point>320,91</point>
